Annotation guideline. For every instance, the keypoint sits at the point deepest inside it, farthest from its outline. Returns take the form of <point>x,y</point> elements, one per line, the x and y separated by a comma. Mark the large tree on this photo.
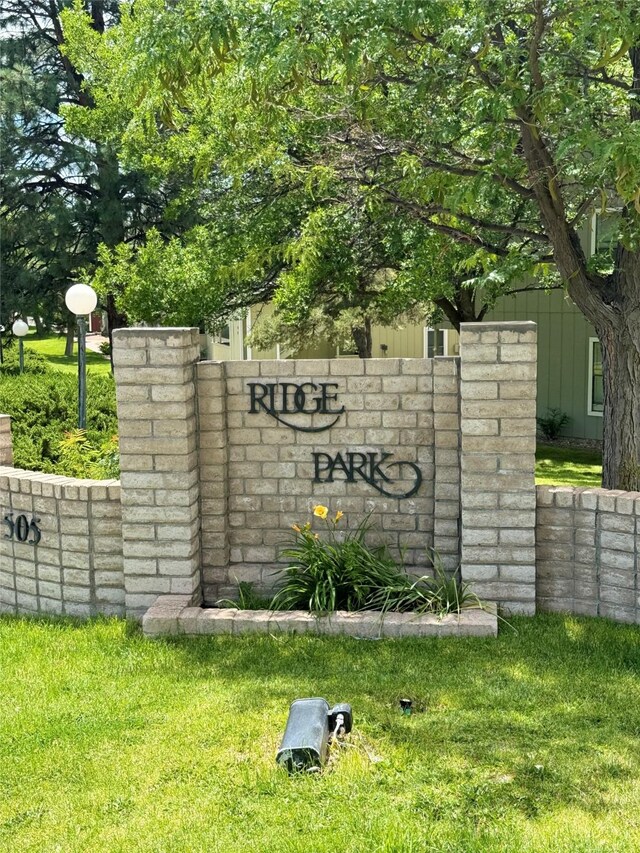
<point>290,214</point>
<point>63,192</point>
<point>499,124</point>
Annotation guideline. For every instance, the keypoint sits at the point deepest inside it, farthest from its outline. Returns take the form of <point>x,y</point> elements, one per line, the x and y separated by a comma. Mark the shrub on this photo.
<point>34,362</point>
<point>44,408</point>
<point>343,573</point>
<point>80,458</point>
<point>105,348</point>
<point>552,423</point>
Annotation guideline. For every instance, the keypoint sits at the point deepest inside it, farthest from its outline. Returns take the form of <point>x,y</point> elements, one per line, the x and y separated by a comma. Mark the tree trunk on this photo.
<point>618,328</point>
<point>111,226</point>
<point>363,339</point>
<point>611,303</point>
<point>115,320</point>
<point>621,417</point>
<point>68,347</point>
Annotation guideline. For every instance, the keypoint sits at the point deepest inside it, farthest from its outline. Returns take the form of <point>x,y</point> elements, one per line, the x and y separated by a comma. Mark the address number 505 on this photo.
<point>22,529</point>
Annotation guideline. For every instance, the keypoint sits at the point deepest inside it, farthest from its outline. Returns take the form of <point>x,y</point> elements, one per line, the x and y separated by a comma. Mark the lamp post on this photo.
<point>20,329</point>
<point>81,299</point>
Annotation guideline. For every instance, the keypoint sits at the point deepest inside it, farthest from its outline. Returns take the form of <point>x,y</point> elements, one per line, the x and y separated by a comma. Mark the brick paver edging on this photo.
<point>174,614</point>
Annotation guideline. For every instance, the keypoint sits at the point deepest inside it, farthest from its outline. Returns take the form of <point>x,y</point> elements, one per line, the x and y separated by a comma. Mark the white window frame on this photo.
<point>445,341</point>
<point>590,409</point>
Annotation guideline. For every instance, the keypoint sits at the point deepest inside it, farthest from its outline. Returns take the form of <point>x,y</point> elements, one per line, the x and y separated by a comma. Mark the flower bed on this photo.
<point>174,614</point>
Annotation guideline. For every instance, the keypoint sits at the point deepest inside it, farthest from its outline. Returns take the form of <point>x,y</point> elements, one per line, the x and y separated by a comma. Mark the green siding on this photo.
<point>563,355</point>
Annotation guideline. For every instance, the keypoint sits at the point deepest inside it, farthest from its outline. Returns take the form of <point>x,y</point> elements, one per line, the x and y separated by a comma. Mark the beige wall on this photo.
<point>75,568</point>
<point>588,552</point>
<point>268,467</point>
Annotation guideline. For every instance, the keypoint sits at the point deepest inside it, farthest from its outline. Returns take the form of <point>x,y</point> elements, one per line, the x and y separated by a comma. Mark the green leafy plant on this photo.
<point>337,574</point>
<point>80,458</point>
<point>441,593</point>
<point>341,572</point>
<point>552,423</point>
<point>105,348</point>
<point>43,407</point>
<point>34,362</point>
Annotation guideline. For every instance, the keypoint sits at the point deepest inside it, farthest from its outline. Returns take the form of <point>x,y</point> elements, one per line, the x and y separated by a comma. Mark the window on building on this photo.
<point>596,389</point>
<point>605,232</point>
<point>435,342</point>
<point>223,336</point>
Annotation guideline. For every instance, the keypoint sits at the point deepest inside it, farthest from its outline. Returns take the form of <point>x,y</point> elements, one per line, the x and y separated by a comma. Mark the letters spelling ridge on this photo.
<point>292,400</point>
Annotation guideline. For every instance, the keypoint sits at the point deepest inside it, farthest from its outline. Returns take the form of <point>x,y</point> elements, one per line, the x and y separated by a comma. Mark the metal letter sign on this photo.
<point>22,529</point>
<point>280,400</point>
<point>288,398</point>
<point>367,467</point>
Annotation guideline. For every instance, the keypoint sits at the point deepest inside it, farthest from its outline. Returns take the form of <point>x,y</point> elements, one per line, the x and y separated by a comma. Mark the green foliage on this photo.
<point>105,348</point>
<point>63,191</point>
<point>44,408</point>
<point>441,593</point>
<point>79,458</point>
<point>341,572</point>
<point>34,362</point>
<point>407,119</point>
<point>552,424</point>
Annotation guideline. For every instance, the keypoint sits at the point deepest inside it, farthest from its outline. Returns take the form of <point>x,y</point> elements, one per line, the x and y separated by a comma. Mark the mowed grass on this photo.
<point>51,346</point>
<point>568,466</point>
<point>110,742</point>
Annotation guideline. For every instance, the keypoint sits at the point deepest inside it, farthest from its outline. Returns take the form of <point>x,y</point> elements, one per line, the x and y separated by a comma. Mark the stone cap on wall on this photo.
<point>18,479</point>
<point>502,326</point>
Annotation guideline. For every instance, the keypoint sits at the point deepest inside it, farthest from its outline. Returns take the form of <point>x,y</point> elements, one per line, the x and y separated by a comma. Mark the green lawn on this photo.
<point>568,466</point>
<point>110,742</point>
<point>52,347</point>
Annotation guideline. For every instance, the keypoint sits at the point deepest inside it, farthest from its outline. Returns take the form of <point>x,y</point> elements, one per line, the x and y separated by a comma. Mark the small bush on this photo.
<point>105,348</point>
<point>44,408</point>
<point>34,362</point>
<point>343,573</point>
<point>79,458</point>
<point>552,424</point>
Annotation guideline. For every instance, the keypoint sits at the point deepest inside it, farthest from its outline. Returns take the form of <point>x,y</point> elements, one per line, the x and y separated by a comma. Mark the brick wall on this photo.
<point>257,473</point>
<point>498,437</point>
<point>76,567</point>
<point>159,468</point>
<point>588,552</point>
<point>210,489</point>
<point>218,462</point>
<point>6,448</point>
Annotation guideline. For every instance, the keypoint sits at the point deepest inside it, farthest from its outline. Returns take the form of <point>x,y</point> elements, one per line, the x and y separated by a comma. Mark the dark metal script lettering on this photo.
<point>290,398</point>
<point>373,468</point>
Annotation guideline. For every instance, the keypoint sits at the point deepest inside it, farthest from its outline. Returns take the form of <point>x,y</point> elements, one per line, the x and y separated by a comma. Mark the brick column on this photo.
<point>155,391</point>
<point>446,421</point>
<point>6,448</point>
<point>498,498</point>
<point>213,451</point>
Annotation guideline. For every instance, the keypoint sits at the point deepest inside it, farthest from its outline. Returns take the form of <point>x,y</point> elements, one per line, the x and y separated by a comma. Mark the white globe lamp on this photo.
<point>81,299</point>
<point>20,329</point>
